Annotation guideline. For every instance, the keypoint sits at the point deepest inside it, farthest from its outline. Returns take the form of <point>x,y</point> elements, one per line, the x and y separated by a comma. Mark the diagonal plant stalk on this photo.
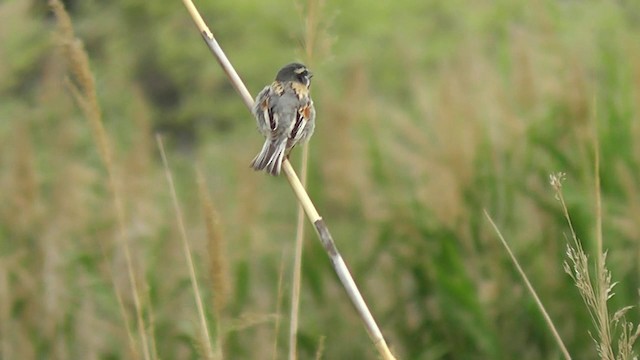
<point>312,214</point>
<point>204,328</point>
<point>533,292</point>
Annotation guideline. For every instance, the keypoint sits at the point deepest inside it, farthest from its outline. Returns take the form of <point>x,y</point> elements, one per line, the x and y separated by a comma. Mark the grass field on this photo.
<point>429,113</point>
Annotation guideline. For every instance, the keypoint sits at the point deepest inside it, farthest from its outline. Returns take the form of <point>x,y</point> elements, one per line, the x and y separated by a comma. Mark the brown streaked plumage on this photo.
<point>285,115</point>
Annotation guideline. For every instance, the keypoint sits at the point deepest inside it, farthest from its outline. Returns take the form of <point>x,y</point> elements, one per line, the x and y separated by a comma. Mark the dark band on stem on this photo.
<point>325,237</point>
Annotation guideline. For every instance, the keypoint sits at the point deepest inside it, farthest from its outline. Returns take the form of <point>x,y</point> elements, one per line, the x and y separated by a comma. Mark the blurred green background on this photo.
<point>428,113</point>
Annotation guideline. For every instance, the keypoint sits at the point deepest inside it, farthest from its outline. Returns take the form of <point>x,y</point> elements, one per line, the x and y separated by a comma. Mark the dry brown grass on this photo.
<point>204,337</point>
<point>82,86</point>
<point>474,114</point>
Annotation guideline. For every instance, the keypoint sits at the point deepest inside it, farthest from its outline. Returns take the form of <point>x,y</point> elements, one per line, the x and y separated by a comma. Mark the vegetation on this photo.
<point>429,112</point>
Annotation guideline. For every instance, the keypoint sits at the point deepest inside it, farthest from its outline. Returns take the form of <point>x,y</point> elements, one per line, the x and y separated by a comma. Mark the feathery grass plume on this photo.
<point>139,164</point>
<point>596,292</point>
<point>215,247</point>
<point>82,86</point>
<point>218,273</point>
<point>24,179</point>
<point>205,339</point>
<point>81,81</point>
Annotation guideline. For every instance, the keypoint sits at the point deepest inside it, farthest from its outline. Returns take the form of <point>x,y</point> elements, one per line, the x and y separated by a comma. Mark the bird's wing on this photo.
<point>263,111</point>
<point>302,117</point>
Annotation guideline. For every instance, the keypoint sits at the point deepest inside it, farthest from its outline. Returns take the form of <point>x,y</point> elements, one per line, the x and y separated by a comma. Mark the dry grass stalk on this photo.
<point>82,86</point>
<point>311,25</point>
<point>6,349</point>
<point>152,325</point>
<point>204,329</point>
<point>603,288</point>
<point>278,316</point>
<point>321,229</point>
<point>533,292</point>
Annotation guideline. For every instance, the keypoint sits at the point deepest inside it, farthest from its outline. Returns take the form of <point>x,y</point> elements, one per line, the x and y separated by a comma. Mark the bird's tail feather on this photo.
<point>270,157</point>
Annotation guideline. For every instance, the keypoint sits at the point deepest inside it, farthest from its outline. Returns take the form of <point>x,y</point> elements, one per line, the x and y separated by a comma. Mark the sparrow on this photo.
<point>285,115</point>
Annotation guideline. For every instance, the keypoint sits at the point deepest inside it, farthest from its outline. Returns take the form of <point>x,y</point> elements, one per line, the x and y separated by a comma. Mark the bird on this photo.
<point>285,116</point>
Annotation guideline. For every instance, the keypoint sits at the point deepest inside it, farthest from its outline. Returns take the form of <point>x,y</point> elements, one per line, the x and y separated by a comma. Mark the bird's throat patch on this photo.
<point>300,89</point>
